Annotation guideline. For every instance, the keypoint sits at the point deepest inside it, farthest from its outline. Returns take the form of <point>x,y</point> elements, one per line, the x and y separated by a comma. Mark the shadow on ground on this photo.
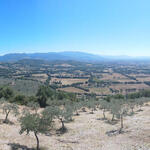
<point>2,121</point>
<point>15,146</point>
<point>61,131</point>
<point>114,122</point>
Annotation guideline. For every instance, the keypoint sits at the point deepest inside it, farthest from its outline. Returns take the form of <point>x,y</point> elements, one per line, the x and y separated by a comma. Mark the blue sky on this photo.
<point>107,27</point>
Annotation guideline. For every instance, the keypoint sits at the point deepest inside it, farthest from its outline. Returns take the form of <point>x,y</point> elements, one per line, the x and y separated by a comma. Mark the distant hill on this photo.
<point>65,56</point>
<point>51,56</point>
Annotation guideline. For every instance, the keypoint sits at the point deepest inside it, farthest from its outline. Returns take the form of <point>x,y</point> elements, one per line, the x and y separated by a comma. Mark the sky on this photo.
<point>104,27</point>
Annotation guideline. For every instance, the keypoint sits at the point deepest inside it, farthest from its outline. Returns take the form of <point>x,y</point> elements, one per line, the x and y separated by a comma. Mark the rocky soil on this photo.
<point>86,132</point>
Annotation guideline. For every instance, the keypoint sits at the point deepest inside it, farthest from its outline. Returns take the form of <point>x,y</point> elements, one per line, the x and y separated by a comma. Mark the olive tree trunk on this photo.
<point>6,117</point>
<point>104,114</point>
<point>113,117</point>
<point>37,141</point>
<point>62,123</point>
<point>121,121</point>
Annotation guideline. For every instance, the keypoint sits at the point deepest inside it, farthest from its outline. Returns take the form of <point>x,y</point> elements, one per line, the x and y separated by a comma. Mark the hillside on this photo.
<point>86,132</point>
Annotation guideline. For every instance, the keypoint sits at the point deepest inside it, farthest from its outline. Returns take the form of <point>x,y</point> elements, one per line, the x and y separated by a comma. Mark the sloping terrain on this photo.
<point>86,132</point>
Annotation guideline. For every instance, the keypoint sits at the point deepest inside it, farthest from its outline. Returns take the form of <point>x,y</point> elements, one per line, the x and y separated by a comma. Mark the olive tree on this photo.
<point>36,123</point>
<point>76,106</point>
<point>34,106</point>
<point>104,105</point>
<point>9,108</point>
<point>50,113</point>
<point>91,104</point>
<point>121,109</point>
<point>64,114</point>
<point>112,108</point>
<point>131,104</point>
<point>140,102</point>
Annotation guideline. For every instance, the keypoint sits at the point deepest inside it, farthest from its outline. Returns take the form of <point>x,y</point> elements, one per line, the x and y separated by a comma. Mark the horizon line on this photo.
<point>105,55</point>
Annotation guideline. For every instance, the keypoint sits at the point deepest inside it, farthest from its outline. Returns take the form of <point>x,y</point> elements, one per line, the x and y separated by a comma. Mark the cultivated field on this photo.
<point>68,81</point>
<point>115,77</point>
<point>101,78</point>
<point>100,91</point>
<point>72,90</point>
<point>40,77</point>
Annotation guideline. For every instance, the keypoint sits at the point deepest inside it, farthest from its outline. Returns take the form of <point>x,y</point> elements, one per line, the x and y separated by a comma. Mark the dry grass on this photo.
<point>116,77</point>
<point>72,90</point>
<point>40,77</point>
<point>143,79</point>
<point>68,81</point>
<point>85,133</point>
<point>100,91</point>
<point>129,86</point>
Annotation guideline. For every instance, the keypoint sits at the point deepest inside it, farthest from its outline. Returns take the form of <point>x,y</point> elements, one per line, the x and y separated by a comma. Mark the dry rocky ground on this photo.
<point>86,132</point>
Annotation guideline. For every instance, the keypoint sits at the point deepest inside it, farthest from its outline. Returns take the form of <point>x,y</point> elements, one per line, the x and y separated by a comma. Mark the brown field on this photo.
<point>143,79</point>
<point>72,90</point>
<point>40,77</point>
<point>139,75</point>
<point>68,81</point>
<point>129,86</point>
<point>100,91</point>
<point>116,77</point>
<point>86,132</point>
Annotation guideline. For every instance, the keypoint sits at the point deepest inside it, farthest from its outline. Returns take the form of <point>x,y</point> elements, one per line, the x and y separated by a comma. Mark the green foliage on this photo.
<point>60,95</point>
<point>50,112</point>
<point>118,96</point>
<point>83,104</point>
<point>9,108</point>
<point>112,108</point>
<point>36,123</point>
<point>76,106</point>
<point>33,123</point>
<point>26,87</point>
<point>143,93</point>
<point>33,105</point>
<point>131,103</point>
<point>104,105</point>
<point>107,98</point>
<point>91,104</point>
<point>120,109</point>
<point>20,99</point>
<point>44,92</point>
<point>140,102</point>
<point>64,114</point>
<point>56,102</point>
<point>6,92</point>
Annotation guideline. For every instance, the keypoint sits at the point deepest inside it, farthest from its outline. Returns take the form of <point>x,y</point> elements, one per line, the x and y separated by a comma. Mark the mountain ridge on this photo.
<point>65,56</point>
<point>51,56</point>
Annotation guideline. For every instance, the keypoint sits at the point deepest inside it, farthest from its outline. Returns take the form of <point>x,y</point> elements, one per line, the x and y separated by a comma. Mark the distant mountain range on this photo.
<point>75,56</point>
<point>51,56</point>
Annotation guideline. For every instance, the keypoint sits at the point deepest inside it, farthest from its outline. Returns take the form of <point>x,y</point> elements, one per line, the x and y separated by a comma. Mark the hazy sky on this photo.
<point>110,27</point>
